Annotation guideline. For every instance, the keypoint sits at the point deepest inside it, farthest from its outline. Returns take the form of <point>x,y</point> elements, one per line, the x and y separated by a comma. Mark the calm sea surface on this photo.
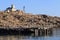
<point>55,36</point>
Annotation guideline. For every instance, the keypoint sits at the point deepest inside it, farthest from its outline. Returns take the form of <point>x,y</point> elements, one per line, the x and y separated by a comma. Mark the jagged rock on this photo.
<point>16,20</point>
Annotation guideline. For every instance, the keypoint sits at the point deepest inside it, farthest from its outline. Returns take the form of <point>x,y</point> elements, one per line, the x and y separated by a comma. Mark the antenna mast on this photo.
<point>24,8</point>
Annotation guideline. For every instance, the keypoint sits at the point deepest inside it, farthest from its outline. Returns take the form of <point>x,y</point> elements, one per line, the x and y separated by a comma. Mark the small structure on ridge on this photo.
<point>10,9</point>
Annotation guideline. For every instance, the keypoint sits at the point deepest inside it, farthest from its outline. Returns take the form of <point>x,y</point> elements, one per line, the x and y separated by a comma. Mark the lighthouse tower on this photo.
<point>13,8</point>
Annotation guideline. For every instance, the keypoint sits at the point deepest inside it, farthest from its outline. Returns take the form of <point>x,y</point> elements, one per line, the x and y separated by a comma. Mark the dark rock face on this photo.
<point>14,19</point>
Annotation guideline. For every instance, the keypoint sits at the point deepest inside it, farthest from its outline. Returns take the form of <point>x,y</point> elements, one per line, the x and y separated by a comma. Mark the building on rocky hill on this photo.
<point>10,9</point>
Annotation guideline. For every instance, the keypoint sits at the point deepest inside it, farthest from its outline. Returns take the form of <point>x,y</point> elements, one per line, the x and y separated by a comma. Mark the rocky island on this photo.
<point>11,19</point>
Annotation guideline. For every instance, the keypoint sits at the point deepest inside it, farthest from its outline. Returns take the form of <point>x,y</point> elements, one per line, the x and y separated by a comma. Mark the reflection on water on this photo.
<point>55,36</point>
<point>56,32</point>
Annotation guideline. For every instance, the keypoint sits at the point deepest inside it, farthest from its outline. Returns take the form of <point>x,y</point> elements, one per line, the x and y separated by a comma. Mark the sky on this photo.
<point>48,7</point>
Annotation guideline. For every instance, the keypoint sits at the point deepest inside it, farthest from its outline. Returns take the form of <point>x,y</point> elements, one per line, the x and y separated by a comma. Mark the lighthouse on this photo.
<point>10,9</point>
<point>13,8</point>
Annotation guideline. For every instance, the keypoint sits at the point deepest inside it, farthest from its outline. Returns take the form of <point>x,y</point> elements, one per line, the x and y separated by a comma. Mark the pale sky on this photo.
<point>49,7</point>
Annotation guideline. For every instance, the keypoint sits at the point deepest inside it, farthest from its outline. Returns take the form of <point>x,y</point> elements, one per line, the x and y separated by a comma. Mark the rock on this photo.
<point>19,18</point>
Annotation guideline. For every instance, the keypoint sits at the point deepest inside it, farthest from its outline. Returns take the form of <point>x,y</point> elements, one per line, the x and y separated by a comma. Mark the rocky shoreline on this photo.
<point>21,19</point>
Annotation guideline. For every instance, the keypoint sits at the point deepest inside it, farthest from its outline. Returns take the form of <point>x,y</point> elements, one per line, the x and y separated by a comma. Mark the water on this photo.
<point>55,36</point>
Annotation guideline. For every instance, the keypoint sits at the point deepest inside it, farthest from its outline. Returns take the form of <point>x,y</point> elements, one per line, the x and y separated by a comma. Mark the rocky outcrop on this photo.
<point>21,19</point>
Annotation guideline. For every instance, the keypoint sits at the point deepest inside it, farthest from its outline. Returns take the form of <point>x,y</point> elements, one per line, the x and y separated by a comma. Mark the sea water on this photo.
<point>54,36</point>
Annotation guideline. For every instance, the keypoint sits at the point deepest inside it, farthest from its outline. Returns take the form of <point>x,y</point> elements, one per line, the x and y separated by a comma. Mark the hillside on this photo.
<point>22,19</point>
